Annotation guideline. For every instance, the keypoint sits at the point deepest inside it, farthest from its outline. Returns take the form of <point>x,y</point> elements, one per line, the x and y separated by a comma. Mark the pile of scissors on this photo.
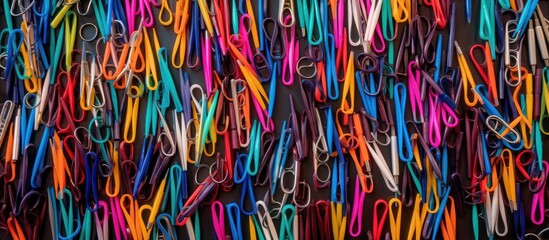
<point>273,119</point>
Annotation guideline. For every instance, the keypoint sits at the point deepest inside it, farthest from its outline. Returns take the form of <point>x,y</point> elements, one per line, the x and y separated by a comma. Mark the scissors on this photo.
<point>10,161</point>
<point>247,193</point>
<point>276,212</point>
<point>118,218</point>
<point>13,50</point>
<point>206,43</point>
<point>302,196</point>
<point>35,49</point>
<point>75,146</point>
<point>218,218</point>
<point>339,184</point>
<point>149,185</point>
<point>273,33</point>
<point>375,152</point>
<point>34,206</point>
<point>166,133</point>
<point>380,204</point>
<point>485,69</point>
<point>267,225</point>
<point>260,63</point>
<point>110,53</point>
<point>38,166</point>
<point>60,165</point>
<point>239,98</point>
<point>354,17</point>
<point>348,102</point>
<point>280,155</point>
<point>92,93</point>
<point>127,164</point>
<point>363,166</point>
<point>207,116</point>
<point>467,78</point>
<point>198,196</point>
<point>287,222</point>
<point>512,55</point>
<point>299,132</point>
<point>180,26</point>
<point>63,214</point>
<point>292,55</point>
<point>420,39</point>
<point>101,223</point>
<point>194,50</point>
<point>130,209</point>
<point>320,156</point>
<point>166,229</point>
<point>355,224</point>
<point>69,111</point>
<point>133,94</point>
<point>538,211</point>
<point>404,144</point>
<point>268,147</point>
<point>5,118</point>
<point>168,79</point>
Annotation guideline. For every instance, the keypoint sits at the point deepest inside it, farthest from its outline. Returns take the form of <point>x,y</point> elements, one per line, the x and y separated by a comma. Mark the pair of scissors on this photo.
<point>420,39</point>
<point>338,202</point>
<point>118,222</point>
<point>196,198</point>
<point>60,166</point>
<point>267,225</point>
<point>92,91</point>
<point>277,211</point>
<point>260,63</point>
<point>218,218</point>
<point>537,214</point>
<point>63,215</point>
<point>353,141</point>
<point>204,125</point>
<point>70,111</point>
<point>101,223</point>
<point>239,113</point>
<point>181,18</point>
<point>247,193</point>
<point>287,229</point>
<point>299,134</point>
<point>348,92</point>
<point>280,155</point>
<point>380,204</point>
<point>292,55</point>
<point>372,144</point>
<point>355,224</point>
<point>321,156</point>
<point>132,214</point>
<point>403,137</point>
<point>148,186</point>
<point>274,34</point>
<point>5,118</point>
<point>33,206</point>
<point>268,147</point>
<point>110,53</point>
<point>354,18</point>
<point>485,68</point>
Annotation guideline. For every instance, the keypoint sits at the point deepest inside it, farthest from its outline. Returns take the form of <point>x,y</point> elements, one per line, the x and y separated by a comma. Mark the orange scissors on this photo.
<point>130,209</point>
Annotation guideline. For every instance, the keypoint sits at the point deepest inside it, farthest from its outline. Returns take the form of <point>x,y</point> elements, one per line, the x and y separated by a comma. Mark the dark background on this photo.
<point>466,35</point>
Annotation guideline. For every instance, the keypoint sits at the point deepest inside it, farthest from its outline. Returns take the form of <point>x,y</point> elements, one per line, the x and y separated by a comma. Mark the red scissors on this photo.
<point>69,112</point>
<point>485,68</point>
<point>128,166</point>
